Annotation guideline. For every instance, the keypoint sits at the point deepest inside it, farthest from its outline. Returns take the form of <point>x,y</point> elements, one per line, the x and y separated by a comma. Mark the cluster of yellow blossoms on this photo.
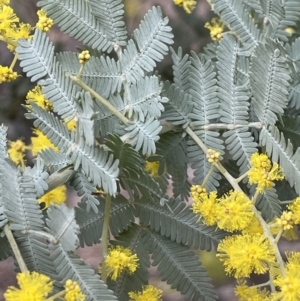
<point>12,29</point>
<point>263,173</point>
<point>188,5</point>
<point>35,286</point>
<point>250,250</point>
<point>121,260</point>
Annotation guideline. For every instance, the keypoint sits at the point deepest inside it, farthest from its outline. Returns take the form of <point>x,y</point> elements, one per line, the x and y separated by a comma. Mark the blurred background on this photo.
<point>189,33</point>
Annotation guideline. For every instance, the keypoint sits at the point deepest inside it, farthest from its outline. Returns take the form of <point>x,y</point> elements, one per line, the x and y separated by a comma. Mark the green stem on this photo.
<point>239,179</point>
<point>269,236</point>
<point>254,199</point>
<point>278,236</point>
<point>105,102</point>
<point>232,126</point>
<point>287,202</point>
<point>12,65</point>
<point>78,76</point>
<point>262,284</point>
<point>15,248</point>
<point>223,170</point>
<point>104,238</point>
<point>57,295</point>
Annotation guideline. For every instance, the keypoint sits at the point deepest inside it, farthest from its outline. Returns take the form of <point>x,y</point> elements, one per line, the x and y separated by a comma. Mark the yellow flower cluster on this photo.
<point>7,74</point>
<point>16,151</point>
<point>263,173</point>
<point>119,260</point>
<point>36,95</point>
<point>37,287</point>
<point>55,196</point>
<point>10,28</point>
<point>286,221</point>
<point>44,23</point>
<point>73,291</point>
<point>216,28</point>
<point>153,168</point>
<point>252,293</point>
<point>40,141</point>
<point>84,56</point>
<point>212,156</point>
<point>246,254</point>
<point>33,286</point>
<point>205,204</point>
<point>149,293</point>
<point>188,5</point>
<point>289,285</point>
<point>232,212</point>
<point>295,209</point>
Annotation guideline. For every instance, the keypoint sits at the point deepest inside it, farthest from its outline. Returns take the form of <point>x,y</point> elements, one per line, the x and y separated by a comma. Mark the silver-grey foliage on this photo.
<point>241,95</point>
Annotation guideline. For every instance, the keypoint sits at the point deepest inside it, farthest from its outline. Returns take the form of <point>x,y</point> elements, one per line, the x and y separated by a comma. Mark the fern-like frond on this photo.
<point>36,55</point>
<point>282,151</point>
<point>129,158</point>
<point>180,224</point>
<point>105,120</point>
<point>294,95</point>
<point>269,204</point>
<point>210,51</point>
<point>85,117</point>
<point>5,250</point>
<point>102,74</point>
<point>145,99</point>
<point>205,109</point>
<point>75,18</point>
<point>290,126</point>
<point>94,160</point>
<point>241,145</point>
<point>293,53</point>
<point>132,239</point>
<point>234,99</point>
<point>181,70</point>
<point>21,206</point>
<point>152,38</point>
<point>255,5</point>
<point>54,160</point>
<point>204,91</point>
<point>110,14</point>
<point>39,176</point>
<point>90,223</point>
<point>121,215</point>
<point>269,80</point>
<point>237,18</point>
<point>171,152</point>
<point>180,267</point>
<point>85,190</point>
<point>180,182</point>
<point>36,254</point>
<point>71,266</point>
<point>37,61</point>
<point>143,135</point>
<point>146,186</point>
<point>287,13</point>
<point>98,164</point>
<point>61,224</point>
<point>179,106</point>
